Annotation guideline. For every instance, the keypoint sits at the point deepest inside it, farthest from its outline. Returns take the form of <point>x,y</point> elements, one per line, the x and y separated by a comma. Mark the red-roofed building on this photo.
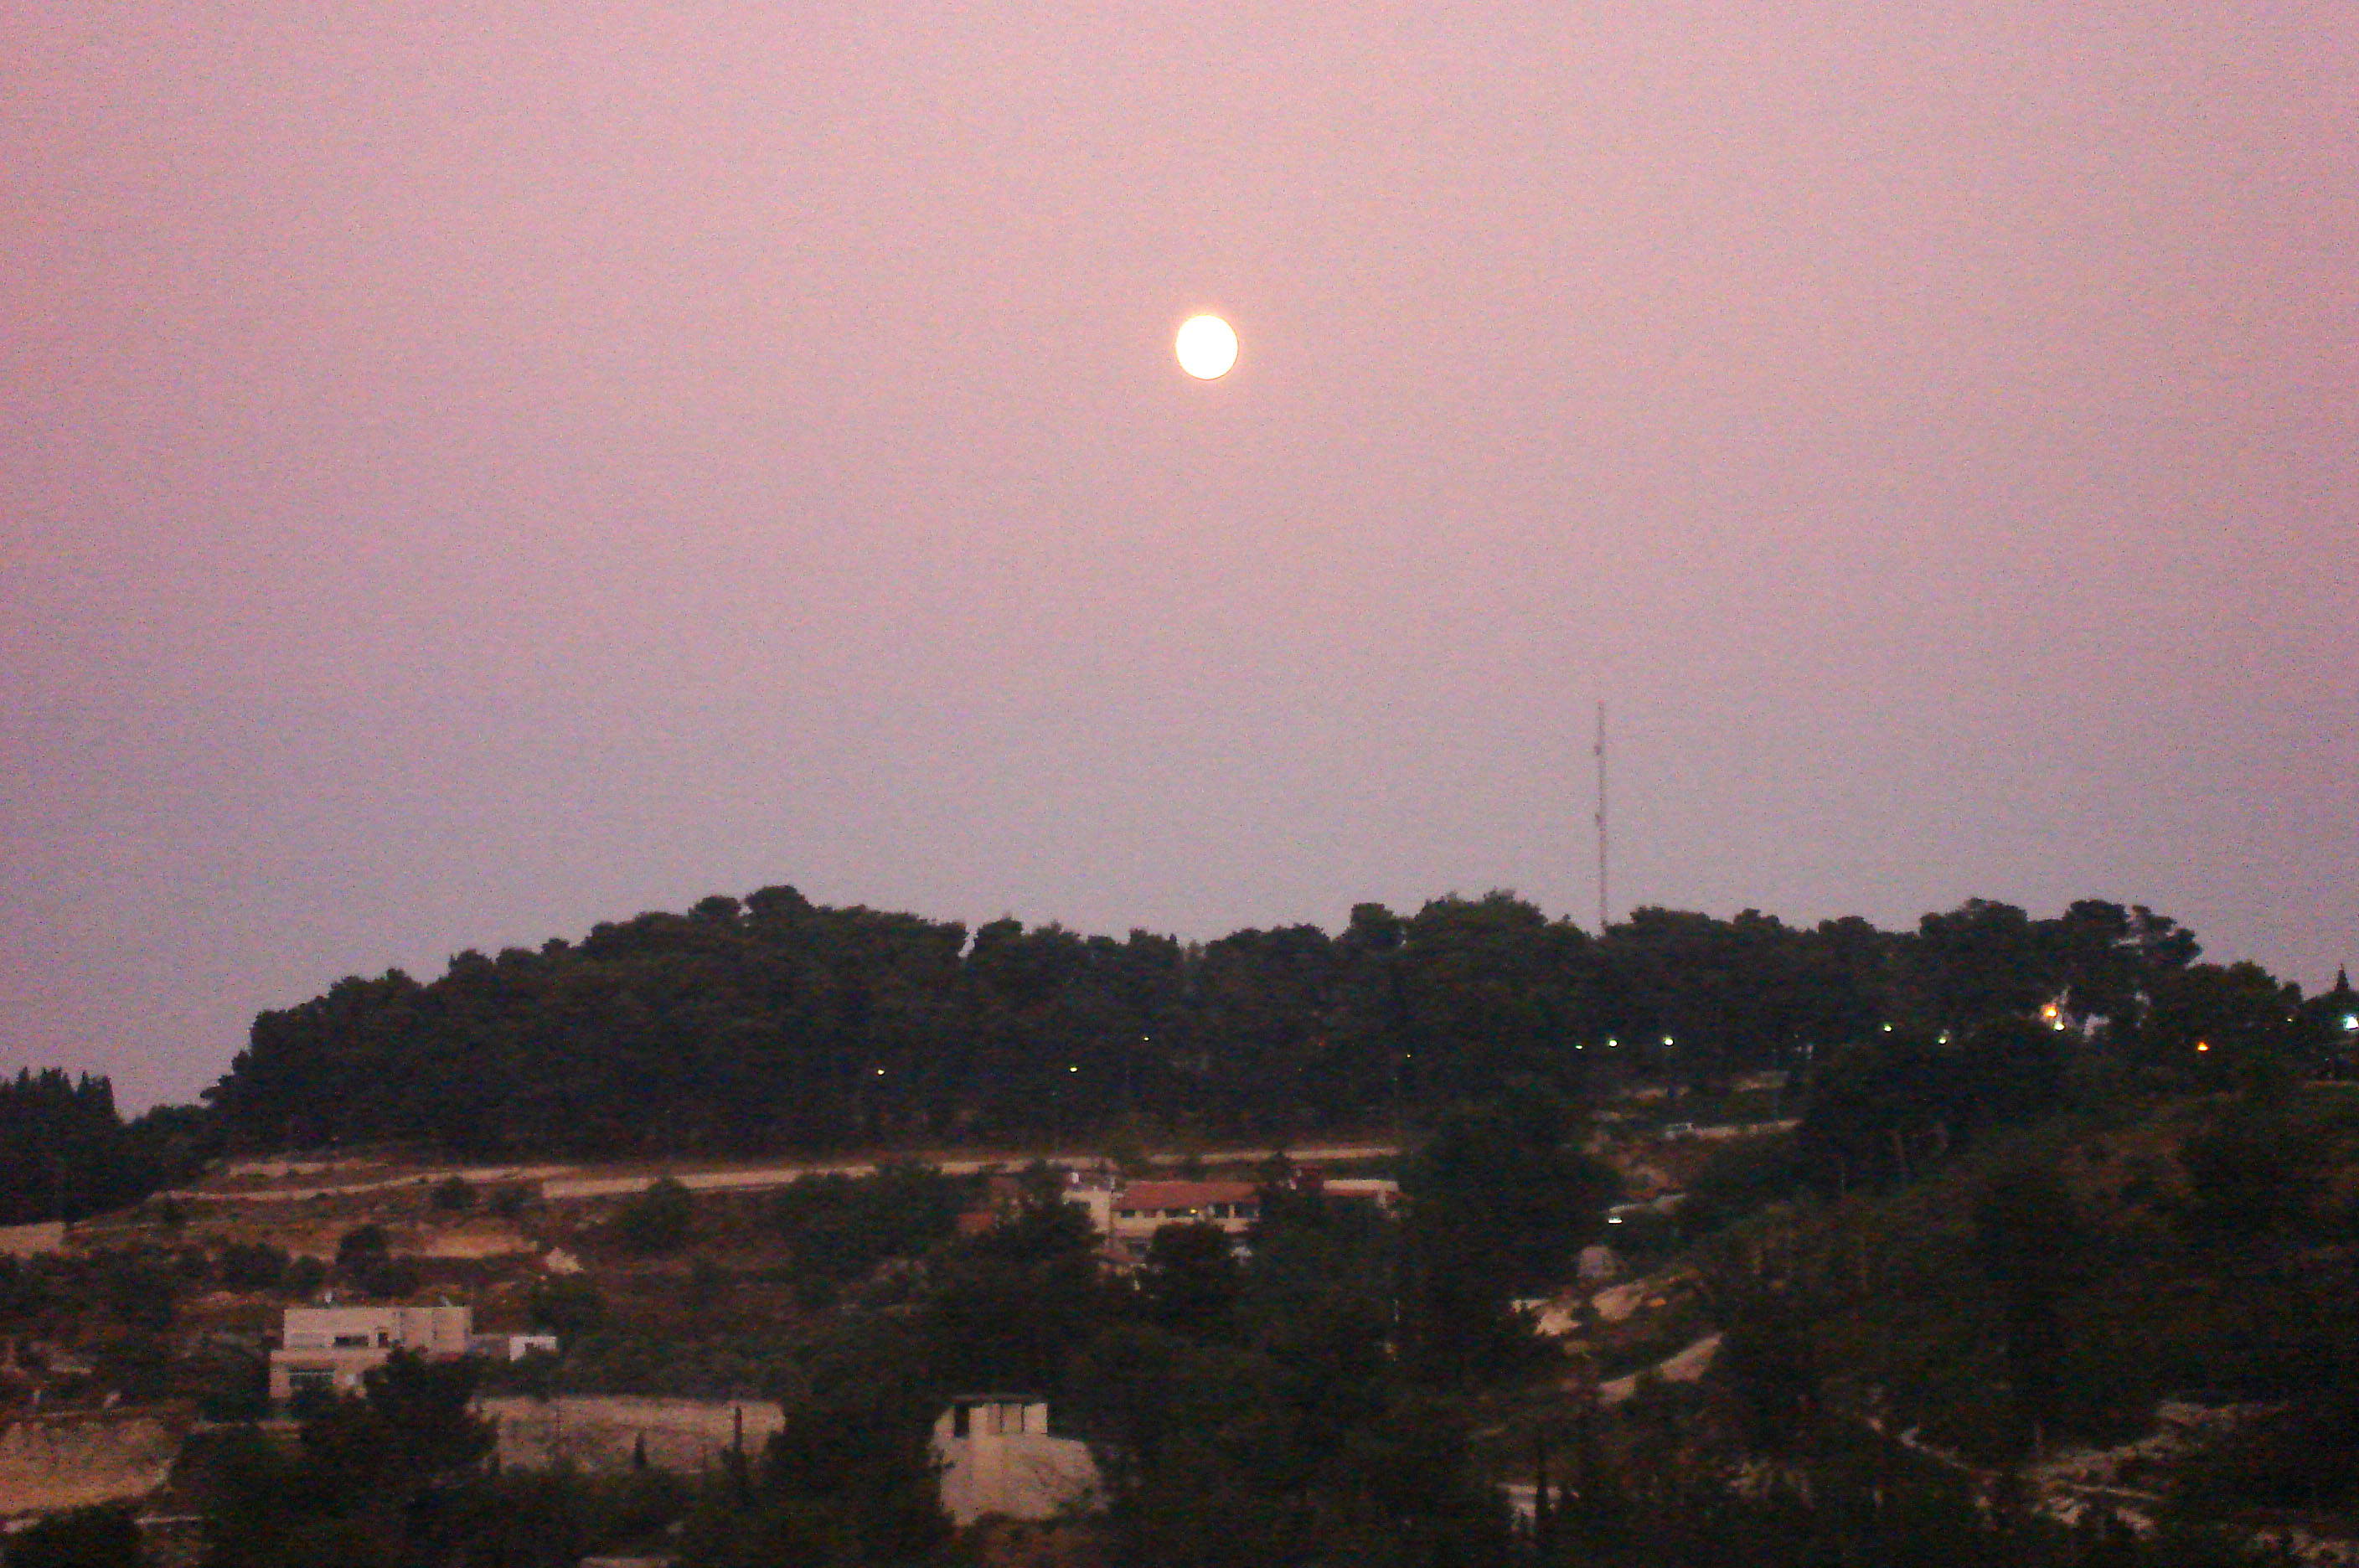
<point>1145,1207</point>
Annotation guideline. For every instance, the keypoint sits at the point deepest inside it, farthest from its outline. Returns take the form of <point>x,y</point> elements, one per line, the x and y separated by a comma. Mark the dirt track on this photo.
<point>559,1182</point>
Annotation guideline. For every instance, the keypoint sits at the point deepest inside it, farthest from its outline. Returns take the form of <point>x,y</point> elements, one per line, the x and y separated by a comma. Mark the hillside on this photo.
<point>2126,1308</point>
<point>2140,1309</point>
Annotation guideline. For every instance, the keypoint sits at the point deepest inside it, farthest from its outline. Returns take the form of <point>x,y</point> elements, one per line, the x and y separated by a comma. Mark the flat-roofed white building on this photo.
<point>510,1346</point>
<point>328,1348</point>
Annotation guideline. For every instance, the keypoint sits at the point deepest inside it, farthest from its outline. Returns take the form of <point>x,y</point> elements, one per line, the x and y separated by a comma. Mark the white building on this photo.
<point>1381,1190</point>
<point>328,1348</point>
<point>997,1457</point>
<point>509,1346</point>
<point>1094,1198</point>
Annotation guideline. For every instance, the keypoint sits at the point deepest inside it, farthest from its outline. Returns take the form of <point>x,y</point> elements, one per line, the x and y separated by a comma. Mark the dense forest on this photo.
<point>775,1024</point>
<point>66,1153</point>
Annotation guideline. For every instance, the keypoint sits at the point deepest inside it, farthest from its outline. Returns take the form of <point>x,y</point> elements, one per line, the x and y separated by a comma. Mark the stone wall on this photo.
<point>602,1432</point>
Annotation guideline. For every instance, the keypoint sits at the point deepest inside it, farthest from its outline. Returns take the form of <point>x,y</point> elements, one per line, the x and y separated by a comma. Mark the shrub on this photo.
<point>385,1277</point>
<point>361,1242</point>
<point>2253,1173</point>
<point>454,1195</point>
<point>140,1288</point>
<point>657,1220</point>
<point>841,1227</point>
<point>568,1308</point>
<point>1736,1181</point>
<point>235,1386</point>
<point>251,1266</point>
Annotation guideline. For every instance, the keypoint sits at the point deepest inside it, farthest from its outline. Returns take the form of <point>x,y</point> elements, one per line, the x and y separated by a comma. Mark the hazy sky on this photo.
<point>470,471</point>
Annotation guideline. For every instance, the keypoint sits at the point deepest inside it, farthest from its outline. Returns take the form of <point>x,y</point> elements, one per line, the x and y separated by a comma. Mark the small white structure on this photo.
<point>1381,1190</point>
<point>997,1457</point>
<point>509,1346</point>
<point>328,1348</point>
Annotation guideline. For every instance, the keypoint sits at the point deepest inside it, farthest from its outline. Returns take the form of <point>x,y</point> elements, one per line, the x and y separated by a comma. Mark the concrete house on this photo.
<point>328,1348</point>
<point>998,1457</point>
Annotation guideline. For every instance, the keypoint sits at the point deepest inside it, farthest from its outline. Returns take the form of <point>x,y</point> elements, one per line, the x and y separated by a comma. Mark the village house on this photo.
<point>326,1349</point>
<point>1141,1209</point>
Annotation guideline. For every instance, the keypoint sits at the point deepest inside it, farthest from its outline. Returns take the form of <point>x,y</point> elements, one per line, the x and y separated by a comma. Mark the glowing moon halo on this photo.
<point>1207,347</point>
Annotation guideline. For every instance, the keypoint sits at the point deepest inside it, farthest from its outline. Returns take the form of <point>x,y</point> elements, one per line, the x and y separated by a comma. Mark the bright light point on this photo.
<point>2350,1022</point>
<point>1207,347</point>
<point>2202,1045</point>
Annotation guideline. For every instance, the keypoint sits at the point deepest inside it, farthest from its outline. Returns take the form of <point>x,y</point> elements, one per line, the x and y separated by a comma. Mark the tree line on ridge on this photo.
<point>775,1024</point>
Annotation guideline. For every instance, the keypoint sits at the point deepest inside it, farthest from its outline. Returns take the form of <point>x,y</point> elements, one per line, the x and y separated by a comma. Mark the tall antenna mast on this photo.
<point>1601,817</point>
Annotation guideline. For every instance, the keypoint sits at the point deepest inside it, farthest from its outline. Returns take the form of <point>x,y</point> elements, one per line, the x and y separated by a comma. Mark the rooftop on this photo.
<point>1185,1194</point>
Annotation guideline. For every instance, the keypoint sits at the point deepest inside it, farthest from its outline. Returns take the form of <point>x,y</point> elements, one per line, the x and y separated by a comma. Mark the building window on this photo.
<point>300,1379</point>
<point>352,1342</point>
<point>962,1419</point>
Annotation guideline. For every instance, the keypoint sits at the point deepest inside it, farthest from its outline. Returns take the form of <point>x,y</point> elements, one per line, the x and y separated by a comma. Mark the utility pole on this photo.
<point>1601,817</point>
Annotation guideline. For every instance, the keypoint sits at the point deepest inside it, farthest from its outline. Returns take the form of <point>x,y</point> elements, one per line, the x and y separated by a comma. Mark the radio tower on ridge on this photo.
<point>1601,817</point>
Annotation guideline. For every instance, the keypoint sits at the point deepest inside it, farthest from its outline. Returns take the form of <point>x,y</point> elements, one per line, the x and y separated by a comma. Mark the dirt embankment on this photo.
<point>75,1459</point>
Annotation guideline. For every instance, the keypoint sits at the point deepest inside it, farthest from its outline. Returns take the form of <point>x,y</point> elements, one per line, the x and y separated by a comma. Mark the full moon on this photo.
<point>1207,347</point>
